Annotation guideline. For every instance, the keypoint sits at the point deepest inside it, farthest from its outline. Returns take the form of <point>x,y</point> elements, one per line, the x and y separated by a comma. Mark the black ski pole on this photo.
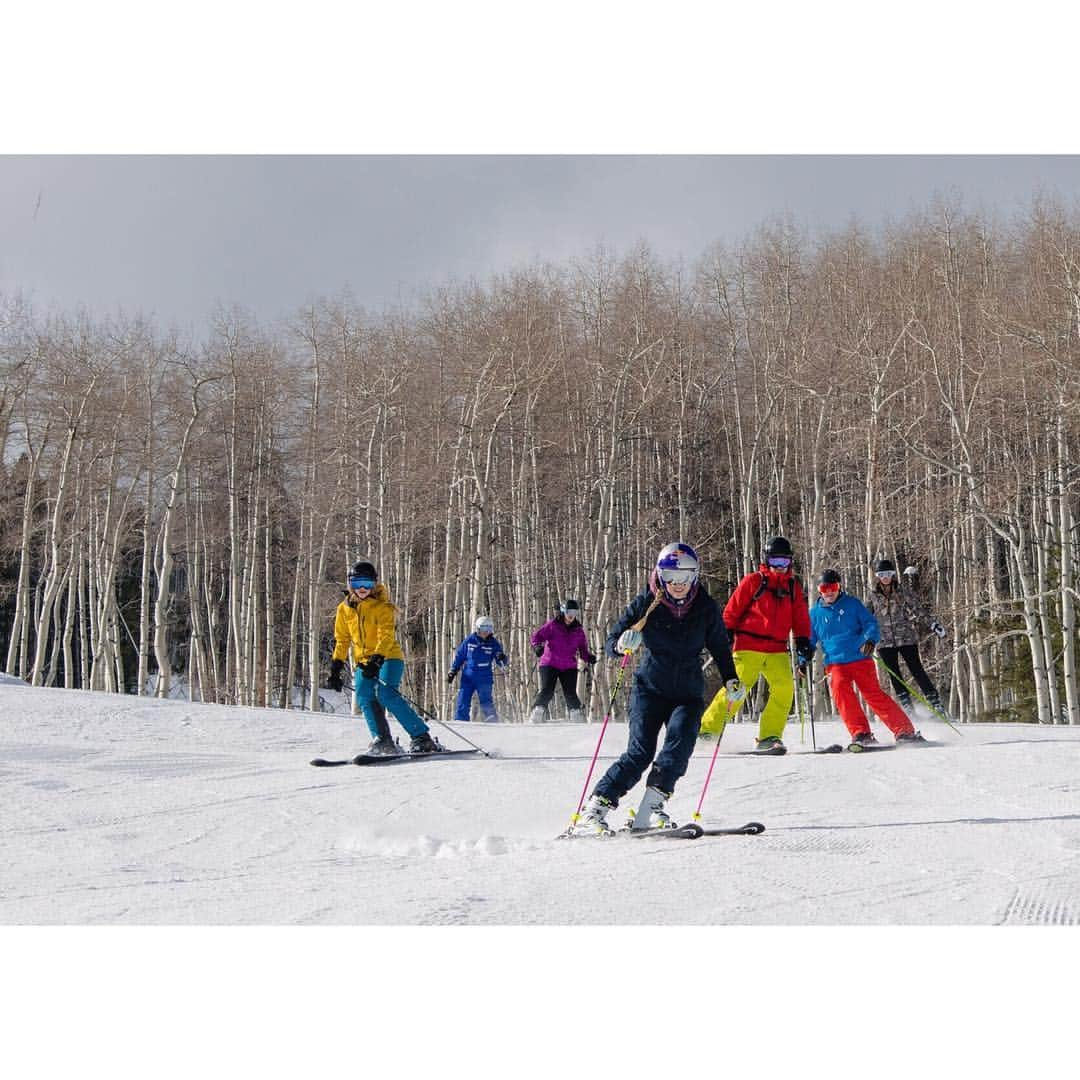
<point>810,700</point>
<point>430,716</point>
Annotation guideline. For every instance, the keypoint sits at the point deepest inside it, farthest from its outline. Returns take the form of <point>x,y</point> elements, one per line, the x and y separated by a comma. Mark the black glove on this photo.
<point>590,659</point>
<point>336,668</point>
<point>450,676</point>
<point>867,648</point>
<point>371,668</point>
<point>501,659</point>
<point>538,649</point>
<point>803,653</point>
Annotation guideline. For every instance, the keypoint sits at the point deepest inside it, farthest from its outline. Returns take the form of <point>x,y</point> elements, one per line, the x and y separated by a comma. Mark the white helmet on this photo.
<point>678,562</point>
<point>484,623</point>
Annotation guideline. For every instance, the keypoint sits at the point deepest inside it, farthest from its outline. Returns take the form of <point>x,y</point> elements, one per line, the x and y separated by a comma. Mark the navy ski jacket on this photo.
<point>670,657</point>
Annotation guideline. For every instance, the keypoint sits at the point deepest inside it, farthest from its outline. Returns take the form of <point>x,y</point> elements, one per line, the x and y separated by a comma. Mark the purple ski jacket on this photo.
<point>562,644</point>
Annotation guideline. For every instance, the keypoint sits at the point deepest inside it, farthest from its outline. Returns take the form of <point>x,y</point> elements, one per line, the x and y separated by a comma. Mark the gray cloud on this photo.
<point>173,235</point>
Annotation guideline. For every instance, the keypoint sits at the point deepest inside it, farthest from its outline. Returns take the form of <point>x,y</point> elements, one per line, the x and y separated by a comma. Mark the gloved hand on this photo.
<point>735,691</point>
<point>867,648</point>
<point>336,668</point>
<point>450,676</point>
<point>590,659</point>
<point>629,641</point>
<point>371,668</point>
<point>803,653</point>
<point>937,628</point>
<point>538,649</point>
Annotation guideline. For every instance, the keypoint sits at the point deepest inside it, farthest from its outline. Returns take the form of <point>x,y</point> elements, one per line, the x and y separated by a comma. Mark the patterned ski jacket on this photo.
<point>479,657</point>
<point>841,627</point>
<point>898,613</point>
<point>764,608</point>
<point>562,644</point>
<point>367,628</point>
<point>670,658</point>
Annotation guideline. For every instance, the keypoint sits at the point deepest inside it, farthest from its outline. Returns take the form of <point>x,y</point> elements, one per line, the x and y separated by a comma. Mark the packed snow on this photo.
<point>197,822</point>
<point>121,810</point>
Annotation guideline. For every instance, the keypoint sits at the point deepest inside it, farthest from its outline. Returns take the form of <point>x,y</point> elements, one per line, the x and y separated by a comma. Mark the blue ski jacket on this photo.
<point>841,628</point>
<point>479,656</point>
<point>670,663</point>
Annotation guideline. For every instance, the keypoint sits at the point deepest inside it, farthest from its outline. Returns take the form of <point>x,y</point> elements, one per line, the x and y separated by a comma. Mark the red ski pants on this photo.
<point>844,678</point>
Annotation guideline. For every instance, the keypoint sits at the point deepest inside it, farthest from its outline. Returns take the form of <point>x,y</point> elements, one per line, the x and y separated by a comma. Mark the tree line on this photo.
<point>181,511</point>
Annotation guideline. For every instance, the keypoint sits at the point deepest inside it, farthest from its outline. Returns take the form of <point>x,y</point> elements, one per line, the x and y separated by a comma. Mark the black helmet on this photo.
<point>884,564</point>
<point>829,577</point>
<point>779,546</point>
<point>362,571</point>
<point>571,609</point>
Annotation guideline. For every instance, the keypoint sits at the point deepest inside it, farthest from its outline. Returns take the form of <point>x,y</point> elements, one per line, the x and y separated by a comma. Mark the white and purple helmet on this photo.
<point>677,564</point>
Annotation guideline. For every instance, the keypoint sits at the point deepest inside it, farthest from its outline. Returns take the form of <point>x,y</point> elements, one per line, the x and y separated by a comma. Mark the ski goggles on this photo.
<point>779,562</point>
<point>831,589</point>
<point>885,575</point>
<point>357,583</point>
<point>678,577</point>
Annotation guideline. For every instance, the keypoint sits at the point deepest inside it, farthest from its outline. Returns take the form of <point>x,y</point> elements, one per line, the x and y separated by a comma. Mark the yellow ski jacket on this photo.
<point>367,628</point>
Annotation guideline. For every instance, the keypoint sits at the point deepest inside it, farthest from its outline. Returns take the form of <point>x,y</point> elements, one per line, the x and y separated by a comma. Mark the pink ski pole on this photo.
<point>708,775</point>
<point>596,753</point>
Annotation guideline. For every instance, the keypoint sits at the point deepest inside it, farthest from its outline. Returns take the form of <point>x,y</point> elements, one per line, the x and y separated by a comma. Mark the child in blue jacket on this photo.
<point>476,658</point>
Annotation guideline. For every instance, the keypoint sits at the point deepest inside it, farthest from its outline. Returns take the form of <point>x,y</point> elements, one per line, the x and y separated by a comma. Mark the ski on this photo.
<point>674,832</point>
<point>751,828</point>
<point>873,748</point>
<point>390,759</point>
<point>680,832</point>
<point>772,751</point>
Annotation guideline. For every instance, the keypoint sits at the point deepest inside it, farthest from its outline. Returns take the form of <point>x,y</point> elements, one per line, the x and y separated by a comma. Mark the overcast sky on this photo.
<point>173,235</point>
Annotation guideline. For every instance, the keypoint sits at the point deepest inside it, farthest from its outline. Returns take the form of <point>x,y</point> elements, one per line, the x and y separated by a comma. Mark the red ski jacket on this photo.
<point>764,607</point>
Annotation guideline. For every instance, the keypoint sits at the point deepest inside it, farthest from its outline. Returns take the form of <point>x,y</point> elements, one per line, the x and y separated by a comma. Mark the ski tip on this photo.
<point>754,827</point>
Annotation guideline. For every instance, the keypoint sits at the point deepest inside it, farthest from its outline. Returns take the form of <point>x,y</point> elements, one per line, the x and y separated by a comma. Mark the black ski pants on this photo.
<point>890,655</point>
<point>549,678</point>
<point>649,712</point>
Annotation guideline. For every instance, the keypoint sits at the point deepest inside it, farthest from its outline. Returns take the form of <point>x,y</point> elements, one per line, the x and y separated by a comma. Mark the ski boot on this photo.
<point>910,738</point>
<point>593,819</point>
<point>383,746</point>
<point>424,744</point>
<point>771,744</point>
<point>864,738</point>
<point>538,715</point>
<point>651,813</point>
<point>577,716</point>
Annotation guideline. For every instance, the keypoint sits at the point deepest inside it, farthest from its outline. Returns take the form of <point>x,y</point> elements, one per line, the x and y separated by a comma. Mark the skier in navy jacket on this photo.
<point>476,658</point>
<point>681,621</point>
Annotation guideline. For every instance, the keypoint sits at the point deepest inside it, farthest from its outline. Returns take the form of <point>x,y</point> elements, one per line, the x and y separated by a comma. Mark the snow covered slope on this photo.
<point>116,810</point>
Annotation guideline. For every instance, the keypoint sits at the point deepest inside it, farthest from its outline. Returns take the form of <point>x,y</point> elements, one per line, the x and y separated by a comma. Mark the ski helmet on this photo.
<point>910,572</point>
<point>677,564</point>
<point>484,624</point>
<point>885,566</point>
<point>829,577</point>
<point>779,546</point>
<point>570,609</point>
<point>362,576</point>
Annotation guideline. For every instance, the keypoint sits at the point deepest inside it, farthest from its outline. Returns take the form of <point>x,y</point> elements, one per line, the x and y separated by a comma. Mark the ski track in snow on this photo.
<point>116,810</point>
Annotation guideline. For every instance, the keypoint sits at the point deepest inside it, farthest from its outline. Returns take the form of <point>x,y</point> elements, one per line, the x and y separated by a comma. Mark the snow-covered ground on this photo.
<point>198,822</point>
<point>118,810</point>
